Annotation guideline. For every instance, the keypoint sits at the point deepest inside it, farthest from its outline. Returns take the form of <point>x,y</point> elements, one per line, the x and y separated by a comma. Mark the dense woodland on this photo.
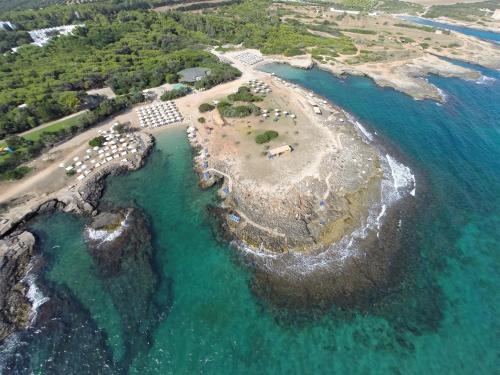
<point>129,47</point>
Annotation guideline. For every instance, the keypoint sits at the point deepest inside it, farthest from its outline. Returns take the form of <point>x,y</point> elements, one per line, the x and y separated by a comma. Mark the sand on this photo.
<point>47,177</point>
<point>299,201</point>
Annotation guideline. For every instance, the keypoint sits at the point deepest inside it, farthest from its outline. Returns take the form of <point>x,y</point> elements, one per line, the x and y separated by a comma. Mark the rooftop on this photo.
<point>193,74</point>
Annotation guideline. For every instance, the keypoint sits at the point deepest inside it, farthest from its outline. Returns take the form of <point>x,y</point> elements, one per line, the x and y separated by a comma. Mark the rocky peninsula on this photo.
<point>299,204</point>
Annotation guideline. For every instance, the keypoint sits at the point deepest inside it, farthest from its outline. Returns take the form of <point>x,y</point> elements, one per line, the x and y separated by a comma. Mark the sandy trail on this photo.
<point>272,232</point>
<point>48,176</point>
<point>228,177</point>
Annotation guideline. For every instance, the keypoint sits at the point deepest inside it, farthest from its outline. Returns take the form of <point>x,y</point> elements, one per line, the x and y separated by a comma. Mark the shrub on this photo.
<point>201,120</point>
<point>120,128</point>
<point>266,137</point>
<point>244,95</point>
<point>226,109</point>
<point>17,173</point>
<point>293,51</point>
<point>97,141</point>
<point>176,93</point>
<point>206,107</point>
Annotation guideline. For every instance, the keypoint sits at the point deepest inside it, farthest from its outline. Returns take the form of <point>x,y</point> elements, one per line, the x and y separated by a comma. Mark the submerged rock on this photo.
<point>65,338</point>
<point>120,243</point>
<point>15,253</point>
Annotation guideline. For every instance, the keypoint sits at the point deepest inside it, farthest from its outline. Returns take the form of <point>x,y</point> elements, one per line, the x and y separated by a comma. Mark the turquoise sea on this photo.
<point>203,317</point>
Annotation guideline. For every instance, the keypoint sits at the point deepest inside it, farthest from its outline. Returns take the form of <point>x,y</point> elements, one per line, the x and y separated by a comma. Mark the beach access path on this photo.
<point>47,176</point>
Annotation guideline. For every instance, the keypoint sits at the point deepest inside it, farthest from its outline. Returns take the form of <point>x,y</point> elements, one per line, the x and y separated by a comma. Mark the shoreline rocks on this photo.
<point>323,241</point>
<point>16,251</point>
<point>17,246</point>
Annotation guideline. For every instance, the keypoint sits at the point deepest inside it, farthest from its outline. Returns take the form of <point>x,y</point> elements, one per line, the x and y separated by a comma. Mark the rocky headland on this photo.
<point>310,220</point>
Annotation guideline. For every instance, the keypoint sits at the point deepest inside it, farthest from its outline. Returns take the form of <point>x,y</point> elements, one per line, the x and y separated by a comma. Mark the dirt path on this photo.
<point>229,179</point>
<point>48,176</point>
<point>339,142</point>
<point>272,232</point>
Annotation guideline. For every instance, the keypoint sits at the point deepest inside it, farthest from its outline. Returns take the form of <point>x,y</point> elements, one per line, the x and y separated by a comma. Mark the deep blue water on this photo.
<point>481,34</point>
<point>440,318</point>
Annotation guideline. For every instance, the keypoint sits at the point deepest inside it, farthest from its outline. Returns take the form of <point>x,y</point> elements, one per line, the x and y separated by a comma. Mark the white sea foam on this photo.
<point>363,130</point>
<point>7,349</point>
<point>443,94</point>
<point>35,296</point>
<point>402,176</point>
<point>397,183</point>
<point>367,136</point>
<point>103,236</point>
<point>485,80</point>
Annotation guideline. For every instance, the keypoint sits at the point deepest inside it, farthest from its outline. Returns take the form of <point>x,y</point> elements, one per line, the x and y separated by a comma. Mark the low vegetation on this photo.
<point>366,56</point>
<point>175,93</point>
<point>244,95</point>
<point>97,141</point>
<point>266,136</point>
<point>206,107</point>
<point>416,27</point>
<point>15,174</point>
<point>360,31</point>
<point>227,109</point>
<point>462,11</point>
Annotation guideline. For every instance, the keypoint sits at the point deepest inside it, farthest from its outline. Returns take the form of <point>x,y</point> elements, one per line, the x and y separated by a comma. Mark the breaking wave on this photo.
<point>398,182</point>
<point>367,136</point>
<point>35,296</point>
<point>485,80</point>
<point>101,236</point>
<point>443,94</point>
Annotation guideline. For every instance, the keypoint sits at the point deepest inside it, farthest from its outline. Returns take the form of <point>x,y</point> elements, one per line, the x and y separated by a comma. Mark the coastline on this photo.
<point>18,246</point>
<point>406,76</point>
<point>84,200</point>
<point>347,259</point>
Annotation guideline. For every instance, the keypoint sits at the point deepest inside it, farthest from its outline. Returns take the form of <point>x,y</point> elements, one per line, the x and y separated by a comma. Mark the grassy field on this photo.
<point>34,135</point>
<point>56,126</point>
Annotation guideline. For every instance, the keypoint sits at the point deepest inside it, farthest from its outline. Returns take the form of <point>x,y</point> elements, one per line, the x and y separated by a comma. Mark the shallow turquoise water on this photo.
<point>441,318</point>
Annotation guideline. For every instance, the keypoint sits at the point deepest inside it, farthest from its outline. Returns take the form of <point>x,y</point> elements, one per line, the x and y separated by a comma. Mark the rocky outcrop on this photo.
<point>82,199</point>
<point>16,251</point>
<point>120,244</point>
<point>16,245</point>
